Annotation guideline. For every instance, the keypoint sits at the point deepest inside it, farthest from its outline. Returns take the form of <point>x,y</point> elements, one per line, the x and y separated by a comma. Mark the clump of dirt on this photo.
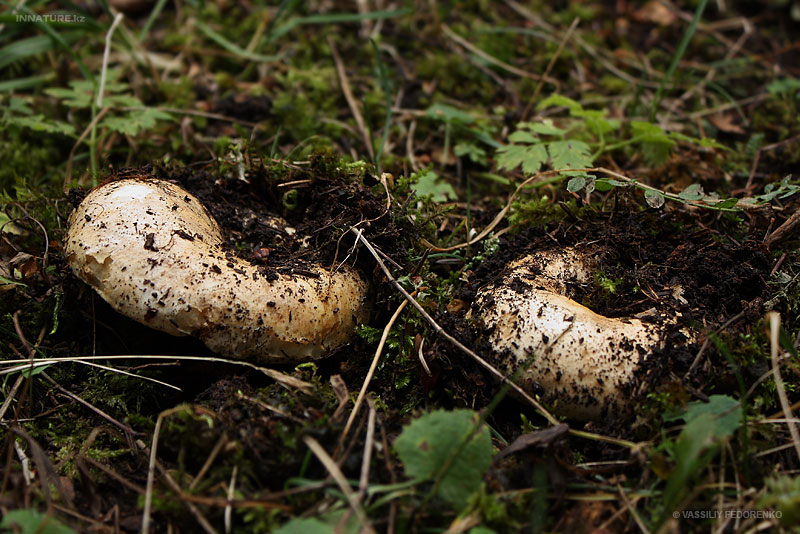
<point>661,260</point>
<point>320,202</point>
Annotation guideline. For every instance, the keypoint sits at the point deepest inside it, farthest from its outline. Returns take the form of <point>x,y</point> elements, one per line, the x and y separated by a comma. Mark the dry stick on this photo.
<point>632,509</point>
<point>774,334</point>
<point>372,368</point>
<point>783,230</point>
<point>228,515</point>
<point>369,444</point>
<point>493,60</point>
<point>281,378</point>
<point>11,395</point>
<point>550,67</point>
<point>340,480</point>
<point>103,71</point>
<point>351,101</point>
<point>151,472</point>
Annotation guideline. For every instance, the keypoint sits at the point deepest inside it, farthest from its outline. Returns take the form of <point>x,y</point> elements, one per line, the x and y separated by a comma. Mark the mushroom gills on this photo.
<point>155,254</point>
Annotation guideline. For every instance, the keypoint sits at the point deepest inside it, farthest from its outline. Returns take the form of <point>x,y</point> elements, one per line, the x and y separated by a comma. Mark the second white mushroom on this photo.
<point>585,366</point>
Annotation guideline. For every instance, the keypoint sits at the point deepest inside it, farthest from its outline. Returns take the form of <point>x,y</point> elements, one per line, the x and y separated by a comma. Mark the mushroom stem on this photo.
<point>156,255</point>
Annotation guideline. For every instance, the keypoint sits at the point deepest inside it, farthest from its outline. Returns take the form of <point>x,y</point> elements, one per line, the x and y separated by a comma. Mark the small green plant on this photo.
<point>449,449</point>
<point>427,183</point>
<point>708,424</point>
<point>32,522</point>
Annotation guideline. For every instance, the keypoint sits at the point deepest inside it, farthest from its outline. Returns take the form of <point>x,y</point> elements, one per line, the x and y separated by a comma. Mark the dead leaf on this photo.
<point>655,12</point>
<point>725,122</point>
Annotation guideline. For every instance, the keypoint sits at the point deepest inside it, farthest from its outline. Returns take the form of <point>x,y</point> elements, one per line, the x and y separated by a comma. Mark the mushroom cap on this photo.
<point>154,253</point>
<point>583,364</point>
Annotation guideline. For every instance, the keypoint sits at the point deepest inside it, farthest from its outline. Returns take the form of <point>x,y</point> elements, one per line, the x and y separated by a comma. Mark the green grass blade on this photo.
<point>232,47</point>
<point>386,87</point>
<point>334,18</point>
<point>152,19</point>
<point>687,37</point>
<point>26,83</point>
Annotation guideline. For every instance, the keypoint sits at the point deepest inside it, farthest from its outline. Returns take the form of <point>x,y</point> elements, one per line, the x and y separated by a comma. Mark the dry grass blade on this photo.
<point>372,367</point>
<point>550,67</point>
<point>281,378</point>
<point>774,337</point>
<point>351,101</point>
<point>341,481</point>
<point>493,60</point>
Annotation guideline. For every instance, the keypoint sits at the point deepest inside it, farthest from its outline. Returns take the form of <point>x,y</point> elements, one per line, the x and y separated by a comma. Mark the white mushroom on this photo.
<point>584,365</point>
<point>155,254</point>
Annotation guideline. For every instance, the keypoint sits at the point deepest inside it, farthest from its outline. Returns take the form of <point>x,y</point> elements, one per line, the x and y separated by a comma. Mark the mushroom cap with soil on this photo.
<point>584,365</point>
<point>155,254</point>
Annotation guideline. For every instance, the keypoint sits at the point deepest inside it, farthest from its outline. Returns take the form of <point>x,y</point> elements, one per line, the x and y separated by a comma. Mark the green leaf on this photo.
<point>444,445</point>
<point>39,123</point>
<point>305,526</point>
<point>531,157</point>
<point>784,87</point>
<point>576,183</point>
<point>546,127</point>
<point>728,203</point>
<point>32,522</point>
<point>136,121</point>
<point>559,100</point>
<point>654,199</point>
<point>569,154</point>
<point>707,424</point>
<point>523,137</point>
<point>446,113</point>
<point>429,184</point>
<point>693,192</point>
<point>475,153</point>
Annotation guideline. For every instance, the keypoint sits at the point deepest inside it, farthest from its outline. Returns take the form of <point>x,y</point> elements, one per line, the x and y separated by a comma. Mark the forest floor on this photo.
<point>454,138</point>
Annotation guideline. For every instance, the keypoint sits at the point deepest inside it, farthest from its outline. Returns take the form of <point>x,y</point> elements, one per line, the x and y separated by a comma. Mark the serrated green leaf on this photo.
<point>434,442</point>
<point>19,105</point>
<point>693,192</point>
<point>652,132</point>
<point>569,154</point>
<point>560,100</point>
<point>523,137</point>
<point>39,123</point>
<point>73,97</point>
<point>547,127</point>
<point>446,113</point>
<point>596,121</point>
<point>511,156</point>
<point>429,184</point>
<point>475,153</point>
<point>134,122</point>
<point>576,183</point>
<point>535,157</point>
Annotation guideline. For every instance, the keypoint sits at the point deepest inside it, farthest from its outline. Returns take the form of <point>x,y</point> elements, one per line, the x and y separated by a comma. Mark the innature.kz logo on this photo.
<point>50,18</point>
